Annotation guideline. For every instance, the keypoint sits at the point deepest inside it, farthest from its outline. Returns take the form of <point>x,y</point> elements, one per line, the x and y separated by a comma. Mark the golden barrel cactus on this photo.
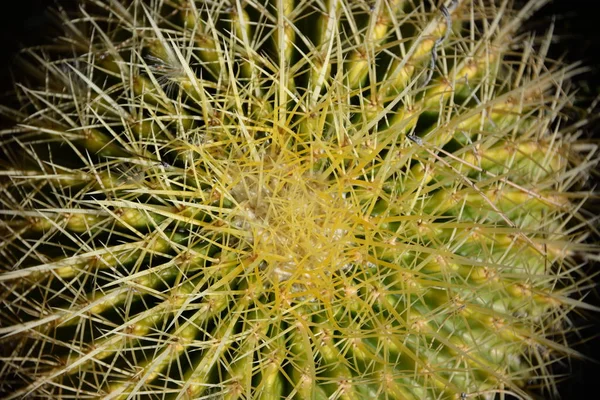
<point>291,199</point>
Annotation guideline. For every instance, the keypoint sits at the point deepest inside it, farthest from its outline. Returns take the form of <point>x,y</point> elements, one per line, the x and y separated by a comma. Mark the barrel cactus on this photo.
<point>292,199</point>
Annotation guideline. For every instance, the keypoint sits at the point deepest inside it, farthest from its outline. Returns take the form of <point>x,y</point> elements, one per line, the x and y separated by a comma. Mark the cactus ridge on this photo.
<point>291,199</point>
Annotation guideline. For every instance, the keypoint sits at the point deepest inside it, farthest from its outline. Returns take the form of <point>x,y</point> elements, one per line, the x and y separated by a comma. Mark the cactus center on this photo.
<point>296,221</point>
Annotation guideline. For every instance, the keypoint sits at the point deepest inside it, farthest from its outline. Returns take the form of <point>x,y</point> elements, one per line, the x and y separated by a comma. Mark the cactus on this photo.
<point>286,199</point>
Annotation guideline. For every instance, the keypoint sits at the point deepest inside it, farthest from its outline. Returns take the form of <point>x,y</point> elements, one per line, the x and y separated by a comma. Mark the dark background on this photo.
<point>577,29</point>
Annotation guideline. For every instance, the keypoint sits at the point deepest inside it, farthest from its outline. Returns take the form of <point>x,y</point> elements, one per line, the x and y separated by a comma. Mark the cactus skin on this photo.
<point>291,199</point>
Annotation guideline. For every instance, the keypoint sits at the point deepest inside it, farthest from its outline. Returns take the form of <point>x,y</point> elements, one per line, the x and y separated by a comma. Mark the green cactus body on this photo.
<point>283,199</point>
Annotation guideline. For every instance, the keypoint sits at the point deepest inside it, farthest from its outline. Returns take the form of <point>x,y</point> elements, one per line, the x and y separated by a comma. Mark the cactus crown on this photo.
<point>291,199</point>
